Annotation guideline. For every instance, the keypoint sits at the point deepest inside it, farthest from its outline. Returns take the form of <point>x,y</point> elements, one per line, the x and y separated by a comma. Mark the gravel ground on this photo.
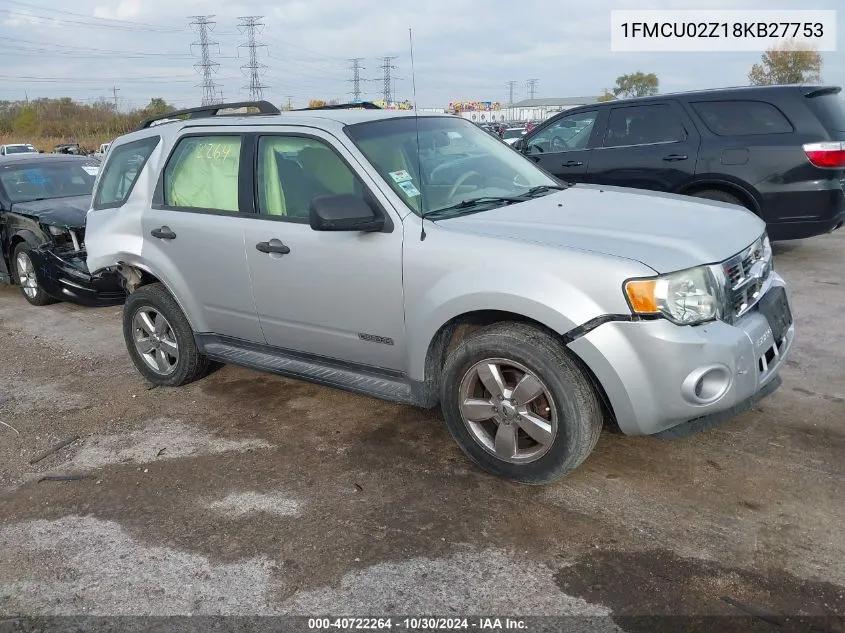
<point>250,494</point>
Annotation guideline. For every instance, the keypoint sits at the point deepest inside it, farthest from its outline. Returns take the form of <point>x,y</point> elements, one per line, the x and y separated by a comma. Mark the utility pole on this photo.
<point>356,77</point>
<point>249,26</point>
<point>387,79</point>
<point>531,86</point>
<point>290,103</point>
<point>510,86</point>
<point>114,92</point>
<point>203,25</point>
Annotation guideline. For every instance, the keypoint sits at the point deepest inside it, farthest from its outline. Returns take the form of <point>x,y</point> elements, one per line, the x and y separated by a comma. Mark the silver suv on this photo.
<point>420,260</point>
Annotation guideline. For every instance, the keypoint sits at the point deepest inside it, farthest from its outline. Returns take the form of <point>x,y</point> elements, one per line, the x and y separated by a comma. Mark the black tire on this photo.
<point>719,196</point>
<point>579,412</point>
<point>190,364</point>
<point>40,297</point>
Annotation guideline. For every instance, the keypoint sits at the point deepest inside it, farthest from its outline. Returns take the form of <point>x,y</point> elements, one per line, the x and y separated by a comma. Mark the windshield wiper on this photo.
<point>472,203</point>
<point>544,189</point>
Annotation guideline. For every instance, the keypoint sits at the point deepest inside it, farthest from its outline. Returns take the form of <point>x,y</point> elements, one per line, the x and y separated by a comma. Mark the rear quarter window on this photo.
<point>830,108</point>
<point>742,118</point>
<point>121,171</point>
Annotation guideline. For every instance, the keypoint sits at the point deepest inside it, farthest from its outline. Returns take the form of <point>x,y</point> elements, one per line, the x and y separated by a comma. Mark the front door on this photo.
<point>329,294</point>
<point>653,146</point>
<point>562,147</point>
<point>194,234</point>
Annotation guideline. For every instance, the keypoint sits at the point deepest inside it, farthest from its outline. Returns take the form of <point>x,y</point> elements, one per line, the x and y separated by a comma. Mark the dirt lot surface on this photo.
<point>246,493</point>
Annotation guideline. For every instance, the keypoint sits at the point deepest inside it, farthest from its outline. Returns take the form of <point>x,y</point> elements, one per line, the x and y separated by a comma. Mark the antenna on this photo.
<point>417,124</point>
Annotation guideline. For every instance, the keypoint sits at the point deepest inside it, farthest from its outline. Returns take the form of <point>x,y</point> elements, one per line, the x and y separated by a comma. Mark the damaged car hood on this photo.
<point>67,212</point>
<point>666,232</point>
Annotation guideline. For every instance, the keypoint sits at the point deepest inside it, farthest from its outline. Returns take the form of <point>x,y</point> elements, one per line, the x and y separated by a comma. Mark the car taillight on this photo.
<point>826,154</point>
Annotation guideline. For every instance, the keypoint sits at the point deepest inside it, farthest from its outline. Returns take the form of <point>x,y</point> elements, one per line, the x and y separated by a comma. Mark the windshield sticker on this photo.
<point>409,188</point>
<point>400,176</point>
<point>90,170</point>
<point>36,176</point>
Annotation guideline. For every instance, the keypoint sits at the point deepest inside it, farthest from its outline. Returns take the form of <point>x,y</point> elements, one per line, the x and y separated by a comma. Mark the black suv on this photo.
<point>777,150</point>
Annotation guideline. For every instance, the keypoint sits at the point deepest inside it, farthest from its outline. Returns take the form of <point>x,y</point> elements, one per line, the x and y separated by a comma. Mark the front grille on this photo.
<point>746,274</point>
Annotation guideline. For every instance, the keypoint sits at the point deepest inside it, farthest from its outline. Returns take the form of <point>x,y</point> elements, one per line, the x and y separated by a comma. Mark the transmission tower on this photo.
<point>203,25</point>
<point>510,86</point>
<point>387,78</point>
<point>356,77</point>
<point>531,87</point>
<point>249,26</point>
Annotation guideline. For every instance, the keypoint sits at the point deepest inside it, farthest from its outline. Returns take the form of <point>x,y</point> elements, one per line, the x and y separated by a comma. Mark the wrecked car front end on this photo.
<point>64,275</point>
<point>56,237</point>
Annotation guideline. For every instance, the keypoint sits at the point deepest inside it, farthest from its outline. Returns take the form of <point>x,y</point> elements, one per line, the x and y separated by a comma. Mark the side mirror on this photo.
<point>519,144</point>
<point>343,213</point>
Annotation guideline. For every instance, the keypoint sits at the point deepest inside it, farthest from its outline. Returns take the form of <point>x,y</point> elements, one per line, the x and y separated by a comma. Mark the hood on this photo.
<point>666,232</point>
<point>63,212</point>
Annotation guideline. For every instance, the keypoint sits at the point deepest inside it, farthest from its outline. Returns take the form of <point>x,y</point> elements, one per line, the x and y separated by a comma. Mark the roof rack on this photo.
<point>264,107</point>
<point>364,105</point>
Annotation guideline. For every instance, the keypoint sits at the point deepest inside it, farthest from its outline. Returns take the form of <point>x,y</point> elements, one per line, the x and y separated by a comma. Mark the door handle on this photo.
<point>163,233</point>
<point>267,247</point>
<point>572,163</point>
<point>673,157</point>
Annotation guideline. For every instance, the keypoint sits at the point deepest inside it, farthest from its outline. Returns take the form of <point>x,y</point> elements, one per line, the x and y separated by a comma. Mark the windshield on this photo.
<point>513,133</point>
<point>25,183</point>
<point>457,161</point>
<point>20,149</point>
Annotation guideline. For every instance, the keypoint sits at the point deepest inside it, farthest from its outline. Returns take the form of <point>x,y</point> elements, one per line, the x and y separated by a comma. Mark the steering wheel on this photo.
<point>461,180</point>
<point>558,144</point>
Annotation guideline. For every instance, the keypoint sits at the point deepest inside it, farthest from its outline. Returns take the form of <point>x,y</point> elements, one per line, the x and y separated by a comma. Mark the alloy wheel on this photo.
<point>155,340</point>
<point>508,410</point>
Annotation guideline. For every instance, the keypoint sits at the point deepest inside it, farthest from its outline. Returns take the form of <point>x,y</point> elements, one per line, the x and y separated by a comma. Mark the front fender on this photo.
<point>534,294</point>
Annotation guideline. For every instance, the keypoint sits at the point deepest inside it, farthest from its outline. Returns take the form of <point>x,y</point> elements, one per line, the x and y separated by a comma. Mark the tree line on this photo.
<point>784,64</point>
<point>63,119</point>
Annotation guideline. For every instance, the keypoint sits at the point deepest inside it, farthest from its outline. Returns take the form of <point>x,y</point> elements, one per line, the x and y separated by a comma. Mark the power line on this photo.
<point>531,87</point>
<point>510,86</point>
<point>203,25</point>
<point>387,79</point>
<point>248,25</point>
<point>356,77</point>
<point>88,17</point>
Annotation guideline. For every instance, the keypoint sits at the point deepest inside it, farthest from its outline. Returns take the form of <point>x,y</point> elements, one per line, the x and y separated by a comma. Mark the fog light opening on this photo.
<point>706,385</point>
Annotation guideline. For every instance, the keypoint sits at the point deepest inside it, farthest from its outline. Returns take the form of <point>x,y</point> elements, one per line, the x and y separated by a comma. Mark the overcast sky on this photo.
<point>464,49</point>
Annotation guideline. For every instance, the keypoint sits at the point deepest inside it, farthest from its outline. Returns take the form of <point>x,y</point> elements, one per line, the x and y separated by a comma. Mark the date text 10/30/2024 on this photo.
<point>417,624</point>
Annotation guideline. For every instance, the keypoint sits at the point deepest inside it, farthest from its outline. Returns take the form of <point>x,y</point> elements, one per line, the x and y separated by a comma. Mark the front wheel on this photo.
<point>27,279</point>
<point>518,404</point>
<point>159,338</point>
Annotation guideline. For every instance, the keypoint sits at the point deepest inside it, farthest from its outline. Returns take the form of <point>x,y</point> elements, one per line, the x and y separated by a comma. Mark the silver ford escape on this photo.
<point>420,260</point>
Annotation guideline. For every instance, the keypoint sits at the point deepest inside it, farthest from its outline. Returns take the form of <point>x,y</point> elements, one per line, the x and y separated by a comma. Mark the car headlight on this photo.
<point>57,230</point>
<point>686,297</point>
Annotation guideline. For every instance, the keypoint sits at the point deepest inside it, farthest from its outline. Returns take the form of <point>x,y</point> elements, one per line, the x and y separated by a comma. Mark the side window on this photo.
<point>293,170</point>
<point>121,171</point>
<point>643,125</point>
<point>566,134</point>
<point>202,173</point>
<point>740,118</point>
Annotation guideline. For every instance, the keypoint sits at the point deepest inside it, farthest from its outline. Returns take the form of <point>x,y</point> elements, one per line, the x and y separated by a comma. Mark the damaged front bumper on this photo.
<point>64,275</point>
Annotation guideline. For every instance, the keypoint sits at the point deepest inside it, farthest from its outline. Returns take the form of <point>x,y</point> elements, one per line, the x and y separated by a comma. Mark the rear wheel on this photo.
<point>518,404</point>
<point>159,338</point>
<point>27,279</point>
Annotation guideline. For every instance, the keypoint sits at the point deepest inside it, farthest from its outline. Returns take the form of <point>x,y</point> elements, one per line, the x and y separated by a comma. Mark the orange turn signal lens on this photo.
<point>641,296</point>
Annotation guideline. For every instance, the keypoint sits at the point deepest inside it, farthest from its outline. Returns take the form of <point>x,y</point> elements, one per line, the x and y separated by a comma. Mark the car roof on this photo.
<point>42,158</point>
<point>332,119</point>
<point>733,92</point>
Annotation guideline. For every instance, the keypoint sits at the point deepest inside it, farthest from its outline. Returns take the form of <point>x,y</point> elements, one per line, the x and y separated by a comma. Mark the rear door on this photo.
<point>563,146</point>
<point>194,231</point>
<point>650,146</point>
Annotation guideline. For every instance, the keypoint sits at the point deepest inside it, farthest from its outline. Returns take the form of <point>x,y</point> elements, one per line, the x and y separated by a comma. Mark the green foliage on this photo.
<point>26,123</point>
<point>786,64</point>
<point>157,106</point>
<point>606,96</point>
<point>636,85</point>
